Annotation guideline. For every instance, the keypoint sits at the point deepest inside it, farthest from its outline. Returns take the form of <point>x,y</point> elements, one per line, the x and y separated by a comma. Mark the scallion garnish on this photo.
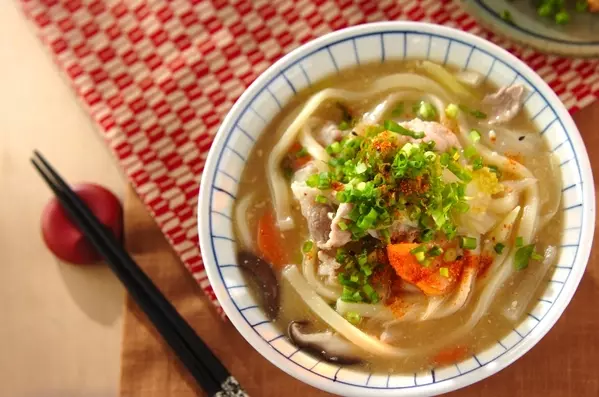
<point>522,256</point>
<point>519,241</point>
<point>353,317</point>
<point>321,199</point>
<point>434,251</point>
<point>452,110</point>
<point>392,126</point>
<point>475,113</point>
<point>307,247</point>
<point>474,136</point>
<point>499,248</point>
<point>468,242</point>
<point>443,271</point>
<point>426,111</point>
<point>536,256</point>
<point>477,163</point>
<point>427,235</point>
<point>342,225</point>
<point>470,152</point>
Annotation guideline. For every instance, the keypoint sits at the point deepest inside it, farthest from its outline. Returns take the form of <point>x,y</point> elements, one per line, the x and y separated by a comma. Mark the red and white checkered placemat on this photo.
<point>158,76</point>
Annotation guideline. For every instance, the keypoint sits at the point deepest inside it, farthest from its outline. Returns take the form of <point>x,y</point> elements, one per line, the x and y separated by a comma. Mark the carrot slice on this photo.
<point>298,162</point>
<point>451,355</point>
<point>270,242</point>
<point>428,278</point>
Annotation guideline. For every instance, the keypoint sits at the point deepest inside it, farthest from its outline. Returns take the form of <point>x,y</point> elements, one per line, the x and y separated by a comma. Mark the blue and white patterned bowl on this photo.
<point>382,42</point>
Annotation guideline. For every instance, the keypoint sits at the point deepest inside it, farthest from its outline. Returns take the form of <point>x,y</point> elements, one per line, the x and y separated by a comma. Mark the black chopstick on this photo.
<point>191,350</point>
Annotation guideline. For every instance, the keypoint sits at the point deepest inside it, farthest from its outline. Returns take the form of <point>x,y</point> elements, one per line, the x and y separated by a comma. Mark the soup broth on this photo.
<point>432,279</point>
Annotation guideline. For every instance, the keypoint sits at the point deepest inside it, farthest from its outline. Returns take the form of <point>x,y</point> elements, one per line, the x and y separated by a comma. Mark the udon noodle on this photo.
<point>408,212</point>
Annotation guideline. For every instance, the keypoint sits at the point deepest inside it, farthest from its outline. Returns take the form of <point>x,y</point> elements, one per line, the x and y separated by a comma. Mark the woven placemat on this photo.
<point>157,77</point>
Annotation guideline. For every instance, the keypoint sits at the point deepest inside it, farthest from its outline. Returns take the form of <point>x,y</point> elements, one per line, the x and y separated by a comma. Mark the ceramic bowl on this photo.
<point>383,42</point>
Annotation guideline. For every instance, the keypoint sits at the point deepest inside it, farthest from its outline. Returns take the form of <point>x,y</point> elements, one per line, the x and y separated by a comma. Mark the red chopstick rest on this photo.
<point>64,239</point>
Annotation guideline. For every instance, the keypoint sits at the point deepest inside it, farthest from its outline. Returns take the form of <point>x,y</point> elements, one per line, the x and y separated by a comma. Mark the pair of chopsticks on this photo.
<point>208,371</point>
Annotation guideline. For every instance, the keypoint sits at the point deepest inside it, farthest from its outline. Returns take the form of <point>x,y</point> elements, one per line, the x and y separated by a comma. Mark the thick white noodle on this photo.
<point>314,148</point>
<point>329,293</point>
<point>276,179</point>
<point>365,310</point>
<point>376,114</point>
<point>241,221</point>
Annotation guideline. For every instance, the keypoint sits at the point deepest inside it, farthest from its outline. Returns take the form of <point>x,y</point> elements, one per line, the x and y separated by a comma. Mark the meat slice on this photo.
<point>330,133</point>
<point>443,137</point>
<point>338,237</point>
<point>328,266</point>
<point>505,103</point>
<point>399,232</point>
<point>316,214</point>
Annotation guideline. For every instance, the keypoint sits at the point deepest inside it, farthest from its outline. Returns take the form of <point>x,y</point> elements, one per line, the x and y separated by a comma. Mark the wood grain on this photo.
<point>565,363</point>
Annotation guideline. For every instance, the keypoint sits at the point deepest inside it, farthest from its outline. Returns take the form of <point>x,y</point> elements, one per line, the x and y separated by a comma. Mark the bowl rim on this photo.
<point>463,380</point>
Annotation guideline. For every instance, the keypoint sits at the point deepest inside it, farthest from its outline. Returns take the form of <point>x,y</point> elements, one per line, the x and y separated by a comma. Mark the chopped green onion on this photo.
<point>303,152</point>
<point>519,241</point>
<point>435,251</point>
<point>477,163</point>
<point>460,172</point>
<point>452,110</point>
<point>361,168</point>
<point>468,242</point>
<point>499,248</point>
<point>362,259</point>
<point>450,255</point>
<point>562,17</point>
<point>426,111</point>
<point>312,180</point>
<point>427,235</point>
<point>474,136</point>
<point>368,220</point>
<point>392,126</point>
<point>398,110</point>
<point>443,271</point>
<point>545,10</point>
<point>581,5</point>
<point>343,125</point>
<point>369,291</point>
<point>420,256</point>
<point>420,248</point>
<point>495,170</point>
<point>334,148</point>
<point>353,317</point>
<point>321,199</point>
<point>340,255</point>
<point>307,247</point>
<point>342,225</point>
<point>470,152</point>
<point>474,113</point>
<point>536,256</point>
<point>522,256</point>
<point>324,181</point>
<point>507,16</point>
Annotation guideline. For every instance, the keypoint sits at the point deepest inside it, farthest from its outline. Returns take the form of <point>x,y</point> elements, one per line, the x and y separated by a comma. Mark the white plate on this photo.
<point>330,54</point>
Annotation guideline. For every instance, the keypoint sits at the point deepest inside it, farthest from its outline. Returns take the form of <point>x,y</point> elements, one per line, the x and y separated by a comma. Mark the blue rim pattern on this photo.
<point>502,21</point>
<point>326,49</point>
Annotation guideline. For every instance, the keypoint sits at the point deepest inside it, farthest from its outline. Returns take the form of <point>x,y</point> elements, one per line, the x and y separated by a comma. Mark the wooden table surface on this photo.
<point>60,333</point>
